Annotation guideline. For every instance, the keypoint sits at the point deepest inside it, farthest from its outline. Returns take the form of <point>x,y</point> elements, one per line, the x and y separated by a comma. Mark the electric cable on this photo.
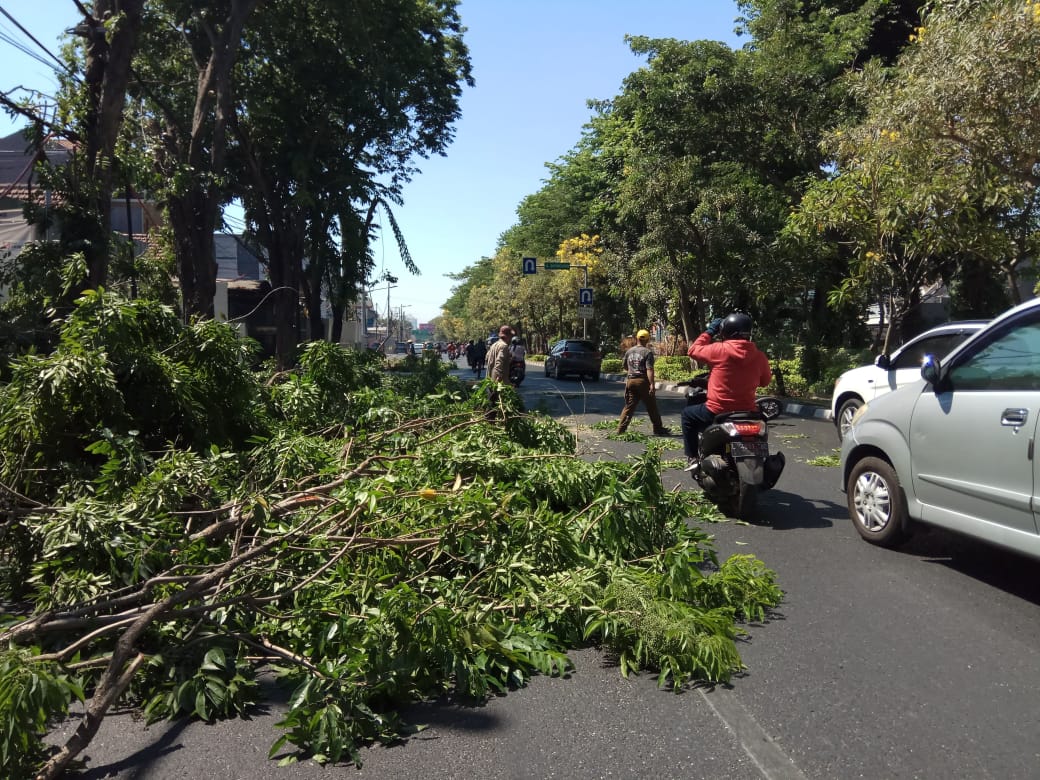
<point>32,38</point>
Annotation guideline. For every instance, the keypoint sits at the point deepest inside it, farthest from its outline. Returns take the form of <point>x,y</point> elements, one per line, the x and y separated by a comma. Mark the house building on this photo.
<point>19,186</point>
<point>242,284</point>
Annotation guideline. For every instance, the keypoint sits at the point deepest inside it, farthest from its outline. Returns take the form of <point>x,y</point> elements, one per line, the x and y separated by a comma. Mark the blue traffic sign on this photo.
<point>530,265</point>
<point>584,296</point>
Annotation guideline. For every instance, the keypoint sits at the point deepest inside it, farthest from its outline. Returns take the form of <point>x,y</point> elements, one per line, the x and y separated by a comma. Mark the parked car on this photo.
<point>955,448</point>
<point>574,356</point>
<point>857,386</point>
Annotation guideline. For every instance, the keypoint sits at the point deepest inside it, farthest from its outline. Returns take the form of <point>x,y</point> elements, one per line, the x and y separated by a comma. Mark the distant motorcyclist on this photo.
<point>517,361</point>
<point>738,368</point>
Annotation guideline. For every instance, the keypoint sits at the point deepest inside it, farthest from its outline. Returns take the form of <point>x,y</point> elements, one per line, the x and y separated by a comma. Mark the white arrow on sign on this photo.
<point>530,265</point>
<point>585,296</point>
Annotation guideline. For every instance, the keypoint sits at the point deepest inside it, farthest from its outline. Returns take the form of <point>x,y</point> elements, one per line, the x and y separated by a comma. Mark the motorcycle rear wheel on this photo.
<point>742,506</point>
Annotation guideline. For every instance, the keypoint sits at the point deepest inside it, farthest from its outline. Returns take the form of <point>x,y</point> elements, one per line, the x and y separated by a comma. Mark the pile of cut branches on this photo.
<point>373,540</point>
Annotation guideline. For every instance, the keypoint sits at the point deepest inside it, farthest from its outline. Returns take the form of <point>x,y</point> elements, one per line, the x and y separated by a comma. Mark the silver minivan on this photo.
<point>956,448</point>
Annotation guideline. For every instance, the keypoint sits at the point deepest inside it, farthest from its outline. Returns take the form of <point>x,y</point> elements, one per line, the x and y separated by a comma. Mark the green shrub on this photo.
<point>611,366</point>
<point>673,368</point>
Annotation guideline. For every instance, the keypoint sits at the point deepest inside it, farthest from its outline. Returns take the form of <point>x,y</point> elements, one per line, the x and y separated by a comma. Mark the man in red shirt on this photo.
<point>738,368</point>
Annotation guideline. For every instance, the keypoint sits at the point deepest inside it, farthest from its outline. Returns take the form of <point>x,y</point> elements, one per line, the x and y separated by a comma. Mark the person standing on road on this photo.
<point>738,368</point>
<point>479,356</point>
<point>498,356</point>
<point>639,385</point>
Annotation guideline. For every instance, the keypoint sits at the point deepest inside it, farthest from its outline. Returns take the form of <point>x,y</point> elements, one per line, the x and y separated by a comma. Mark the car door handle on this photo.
<point>1014,418</point>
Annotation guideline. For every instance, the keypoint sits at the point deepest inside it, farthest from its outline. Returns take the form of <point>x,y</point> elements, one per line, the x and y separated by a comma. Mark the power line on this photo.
<point>6,38</point>
<point>32,38</point>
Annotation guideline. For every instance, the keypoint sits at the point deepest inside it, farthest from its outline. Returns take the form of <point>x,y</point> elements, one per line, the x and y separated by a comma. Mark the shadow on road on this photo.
<point>473,717</point>
<point>141,762</point>
<point>999,568</point>
<point>784,511</point>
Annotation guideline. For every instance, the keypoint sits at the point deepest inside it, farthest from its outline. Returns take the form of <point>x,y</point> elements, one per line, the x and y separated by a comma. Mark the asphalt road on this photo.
<point>916,663</point>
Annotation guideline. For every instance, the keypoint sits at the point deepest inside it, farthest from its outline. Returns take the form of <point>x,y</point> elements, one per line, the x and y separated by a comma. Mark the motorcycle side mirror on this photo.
<point>931,369</point>
<point>882,362</point>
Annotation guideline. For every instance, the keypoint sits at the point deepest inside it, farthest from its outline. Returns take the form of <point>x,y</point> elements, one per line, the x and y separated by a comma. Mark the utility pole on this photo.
<point>391,281</point>
<point>400,312</point>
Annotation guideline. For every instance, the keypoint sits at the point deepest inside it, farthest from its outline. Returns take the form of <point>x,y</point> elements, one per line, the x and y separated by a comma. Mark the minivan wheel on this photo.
<point>845,414</point>
<point>876,502</point>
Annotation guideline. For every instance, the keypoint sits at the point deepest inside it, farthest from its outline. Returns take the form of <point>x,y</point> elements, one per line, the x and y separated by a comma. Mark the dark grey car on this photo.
<point>574,356</point>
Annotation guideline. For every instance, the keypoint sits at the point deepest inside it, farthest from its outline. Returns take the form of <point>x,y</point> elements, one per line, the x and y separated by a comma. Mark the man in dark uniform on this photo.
<point>639,385</point>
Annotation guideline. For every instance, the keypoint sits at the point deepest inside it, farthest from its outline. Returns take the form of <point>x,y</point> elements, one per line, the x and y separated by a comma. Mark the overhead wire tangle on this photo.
<point>64,66</point>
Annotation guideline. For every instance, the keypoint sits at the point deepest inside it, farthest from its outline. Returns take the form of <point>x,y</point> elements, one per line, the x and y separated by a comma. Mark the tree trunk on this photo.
<point>193,220</point>
<point>337,323</point>
<point>194,214</point>
<point>285,286</point>
<point>106,74</point>
<point>312,289</point>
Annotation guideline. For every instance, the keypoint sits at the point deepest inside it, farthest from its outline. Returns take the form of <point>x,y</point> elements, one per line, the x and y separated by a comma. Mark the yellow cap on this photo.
<point>643,335</point>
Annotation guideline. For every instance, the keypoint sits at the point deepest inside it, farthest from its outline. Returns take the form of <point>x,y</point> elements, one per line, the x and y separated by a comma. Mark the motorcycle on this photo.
<point>734,463</point>
<point>517,372</point>
<point>769,405</point>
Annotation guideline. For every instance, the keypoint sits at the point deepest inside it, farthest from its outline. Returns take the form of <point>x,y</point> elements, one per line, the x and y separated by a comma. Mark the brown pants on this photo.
<point>638,389</point>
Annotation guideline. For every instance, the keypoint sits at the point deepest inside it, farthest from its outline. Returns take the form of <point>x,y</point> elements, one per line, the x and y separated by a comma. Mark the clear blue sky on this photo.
<point>535,63</point>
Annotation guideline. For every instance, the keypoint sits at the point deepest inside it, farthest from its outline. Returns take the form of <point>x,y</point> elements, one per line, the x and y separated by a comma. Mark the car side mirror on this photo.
<point>931,369</point>
<point>882,362</point>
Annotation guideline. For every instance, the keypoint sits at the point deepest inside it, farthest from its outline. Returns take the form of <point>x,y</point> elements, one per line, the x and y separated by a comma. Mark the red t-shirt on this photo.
<point>738,367</point>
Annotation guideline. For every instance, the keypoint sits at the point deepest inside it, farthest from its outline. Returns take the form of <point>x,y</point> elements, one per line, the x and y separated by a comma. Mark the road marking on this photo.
<point>764,752</point>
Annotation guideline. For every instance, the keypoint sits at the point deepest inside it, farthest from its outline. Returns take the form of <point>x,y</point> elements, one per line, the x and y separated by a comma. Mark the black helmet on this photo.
<point>736,326</point>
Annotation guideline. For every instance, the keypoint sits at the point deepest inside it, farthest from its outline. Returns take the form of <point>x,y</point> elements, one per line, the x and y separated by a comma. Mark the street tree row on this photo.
<point>851,156</point>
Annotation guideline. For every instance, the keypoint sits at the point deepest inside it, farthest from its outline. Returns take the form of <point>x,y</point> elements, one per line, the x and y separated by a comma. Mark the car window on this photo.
<point>581,346</point>
<point>1011,361</point>
<point>938,345</point>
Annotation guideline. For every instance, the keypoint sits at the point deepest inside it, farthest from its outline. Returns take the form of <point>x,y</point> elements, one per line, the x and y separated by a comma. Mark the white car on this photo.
<point>862,385</point>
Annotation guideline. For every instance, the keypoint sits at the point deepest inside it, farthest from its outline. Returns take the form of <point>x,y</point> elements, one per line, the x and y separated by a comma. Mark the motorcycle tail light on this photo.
<point>565,354</point>
<point>745,428</point>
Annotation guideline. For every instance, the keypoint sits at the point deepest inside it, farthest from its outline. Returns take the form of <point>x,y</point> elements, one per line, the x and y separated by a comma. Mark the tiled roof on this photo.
<point>16,162</point>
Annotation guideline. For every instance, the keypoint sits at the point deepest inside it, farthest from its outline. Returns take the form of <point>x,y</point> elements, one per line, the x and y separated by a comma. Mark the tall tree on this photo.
<point>185,84</point>
<point>942,173</point>
<point>336,98</point>
<point>965,103</point>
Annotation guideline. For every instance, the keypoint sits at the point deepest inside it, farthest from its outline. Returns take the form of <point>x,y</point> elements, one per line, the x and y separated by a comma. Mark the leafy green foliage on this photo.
<point>125,378</point>
<point>375,542</point>
<point>673,368</point>
<point>203,679</point>
<point>32,694</point>
<point>828,461</point>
